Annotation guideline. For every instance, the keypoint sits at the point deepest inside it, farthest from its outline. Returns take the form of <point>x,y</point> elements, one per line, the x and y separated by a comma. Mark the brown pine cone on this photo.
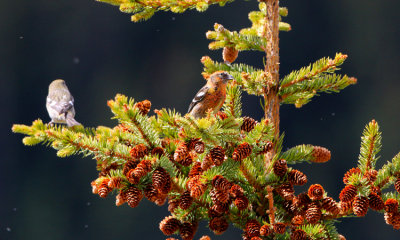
<point>348,193</point>
<point>320,155</point>
<point>352,171</point>
<point>298,234</point>
<point>229,54</point>
<point>280,167</point>
<point>133,196</point>
<point>330,205</point>
<point>397,185</point>
<point>296,177</point>
<point>195,170</point>
<point>360,206</point>
<point>241,152</point>
<point>279,228</point>
<point>391,205</point>
<point>375,202</point>
<point>316,192</point>
<point>217,155</point>
<point>143,106</point>
<point>242,202</point>
<point>161,180</point>
<point>252,228</point>
<point>169,225</point>
<point>266,230</point>
<point>248,124</point>
<point>218,225</point>
<point>139,151</point>
<point>185,201</point>
<point>313,213</point>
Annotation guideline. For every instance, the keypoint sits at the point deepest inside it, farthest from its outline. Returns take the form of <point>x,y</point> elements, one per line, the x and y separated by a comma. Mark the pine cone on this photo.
<point>266,230</point>
<point>187,231</point>
<point>289,207</point>
<point>217,155</point>
<point>157,151</point>
<point>196,144</point>
<point>396,221</point>
<point>221,183</point>
<point>371,175</point>
<point>133,196</point>
<point>218,225</point>
<point>313,213</point>
<point>207,163</point>
<point>151,193</point>
<point>169,225</point>
<point>140,171</point>
<point>316,192</point>
<point>241,152</point>
<point>346,207</point>
<point>221,115</point>
<point>241,202</point>
<point>236,191</point>
<point>248,124</point>
<point>286,191</point>
<point>330,205</point>
<point>161,180</point>
<point>391,205</point>
<point>143,106</point>
<point>173,203</point>
<point>266,147</point>
<point>115,182</point>
<point>131,164</point>
<point>279,228</point>
<point>360,206</point>
<point>181,152</point>
<point>103,188</point>
<point>320,154</point>
<point>252,228</point>
<point>298,234</point>
<point>229,54</point>
<point>352,171</point>
<point>192,143</point>
<point>280,167</point>
<point>212,213</point>
<point>301,200</point>
<point>375,202</point>
<point>195,170</point>
<point>397,185</point>
<point>120,198</point>
<point>296,177</point>
<point>138,151</point>
<point>297,220</point>
<point>161,199</point>
<point>205,237</point>
<point>220,208</point>
<point>185,201</point>
<point>348,193</point>
<point>218,196</point>
<point>197,190</point>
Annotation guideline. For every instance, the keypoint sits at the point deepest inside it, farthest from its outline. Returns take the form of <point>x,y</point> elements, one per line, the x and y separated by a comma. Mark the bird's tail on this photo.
<point>71,121</point>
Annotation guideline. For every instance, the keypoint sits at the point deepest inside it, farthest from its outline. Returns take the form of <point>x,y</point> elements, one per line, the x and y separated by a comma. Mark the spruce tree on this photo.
<point>228,168</point>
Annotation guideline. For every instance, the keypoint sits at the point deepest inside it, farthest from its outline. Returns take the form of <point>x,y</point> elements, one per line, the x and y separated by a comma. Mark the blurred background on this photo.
<point>99,53</point>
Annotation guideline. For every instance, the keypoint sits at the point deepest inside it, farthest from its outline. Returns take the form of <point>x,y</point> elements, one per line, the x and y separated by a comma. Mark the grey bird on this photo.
<point>60,104</point>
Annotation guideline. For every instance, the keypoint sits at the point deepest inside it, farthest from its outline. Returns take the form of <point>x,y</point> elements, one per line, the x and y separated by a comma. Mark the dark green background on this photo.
<point>99,53</point>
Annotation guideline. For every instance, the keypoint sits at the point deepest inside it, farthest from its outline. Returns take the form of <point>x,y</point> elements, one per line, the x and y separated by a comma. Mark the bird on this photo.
<point>60,104</point>
<point>211,96</point>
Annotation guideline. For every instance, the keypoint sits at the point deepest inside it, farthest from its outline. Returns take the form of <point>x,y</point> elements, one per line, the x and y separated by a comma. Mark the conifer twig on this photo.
<point>271,211</point>
<point>272,63</point>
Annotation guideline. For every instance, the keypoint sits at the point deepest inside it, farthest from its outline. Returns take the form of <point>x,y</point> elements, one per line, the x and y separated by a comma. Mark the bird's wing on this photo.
<point>199,96</point>
<point>62,105</point>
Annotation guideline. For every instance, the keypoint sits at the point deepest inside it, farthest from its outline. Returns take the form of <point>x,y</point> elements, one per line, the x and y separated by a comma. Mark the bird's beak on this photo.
<point>229,77</point>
